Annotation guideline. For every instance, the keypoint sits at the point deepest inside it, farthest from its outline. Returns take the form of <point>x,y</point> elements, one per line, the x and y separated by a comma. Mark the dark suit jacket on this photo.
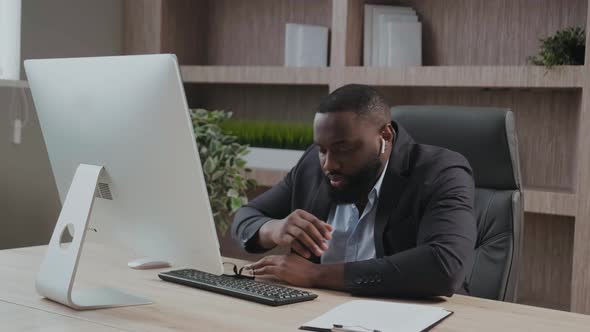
<point>425,229</point>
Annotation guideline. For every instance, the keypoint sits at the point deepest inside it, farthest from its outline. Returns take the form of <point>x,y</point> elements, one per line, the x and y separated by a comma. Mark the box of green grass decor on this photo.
<point>273,145</point>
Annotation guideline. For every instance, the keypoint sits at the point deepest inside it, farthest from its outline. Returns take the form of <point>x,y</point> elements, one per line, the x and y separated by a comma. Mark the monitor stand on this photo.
<point>56,276</point>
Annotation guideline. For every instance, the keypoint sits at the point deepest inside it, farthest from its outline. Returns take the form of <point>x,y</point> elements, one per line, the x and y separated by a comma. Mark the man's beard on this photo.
<point>357,185</point>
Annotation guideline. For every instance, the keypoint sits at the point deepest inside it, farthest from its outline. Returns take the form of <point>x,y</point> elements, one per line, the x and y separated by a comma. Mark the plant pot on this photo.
<point>272,159</point>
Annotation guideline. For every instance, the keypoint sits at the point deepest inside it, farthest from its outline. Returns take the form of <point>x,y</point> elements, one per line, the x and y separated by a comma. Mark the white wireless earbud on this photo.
<point>382,145</point>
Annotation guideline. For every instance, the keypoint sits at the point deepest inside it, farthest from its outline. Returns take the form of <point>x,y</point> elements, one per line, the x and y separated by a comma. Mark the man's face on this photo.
<point>349,153</point>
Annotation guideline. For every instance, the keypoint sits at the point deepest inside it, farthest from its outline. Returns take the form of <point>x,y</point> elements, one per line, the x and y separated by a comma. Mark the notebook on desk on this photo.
<point>370,316</point>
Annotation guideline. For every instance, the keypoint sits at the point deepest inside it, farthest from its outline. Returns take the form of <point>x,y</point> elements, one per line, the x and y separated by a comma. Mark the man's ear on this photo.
<point>388,133</point>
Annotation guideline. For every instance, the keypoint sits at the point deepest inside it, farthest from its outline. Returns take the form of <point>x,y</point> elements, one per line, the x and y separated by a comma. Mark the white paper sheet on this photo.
<point>380,315</point>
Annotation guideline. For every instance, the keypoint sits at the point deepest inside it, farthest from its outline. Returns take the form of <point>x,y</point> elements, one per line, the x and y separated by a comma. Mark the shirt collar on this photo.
<point>374,193</point>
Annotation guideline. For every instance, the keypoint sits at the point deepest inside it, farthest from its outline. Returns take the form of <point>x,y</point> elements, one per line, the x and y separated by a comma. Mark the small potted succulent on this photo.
<point>565,47</point>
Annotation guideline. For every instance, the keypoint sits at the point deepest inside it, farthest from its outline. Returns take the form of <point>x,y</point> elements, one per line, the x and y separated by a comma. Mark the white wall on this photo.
<point>29,203</point>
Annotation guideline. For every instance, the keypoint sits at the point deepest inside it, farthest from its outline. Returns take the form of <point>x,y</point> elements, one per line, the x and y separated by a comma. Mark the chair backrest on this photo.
<point>487,138</point>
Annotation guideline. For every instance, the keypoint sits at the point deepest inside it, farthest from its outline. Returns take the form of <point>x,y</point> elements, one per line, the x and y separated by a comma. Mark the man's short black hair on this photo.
<point>361,99</point>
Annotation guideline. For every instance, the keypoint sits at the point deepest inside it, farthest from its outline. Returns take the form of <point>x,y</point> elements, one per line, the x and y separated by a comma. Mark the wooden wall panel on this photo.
<point>483,32</point>
<point>581,255</point>
<point>218,32</point>
<point>338,33</point>
<point>546,262</point>
<point>141,26</point>
<point>546,122</point>
<point>259,102</point>
<point>354,33</point>
<point>347,33</point>
<point>253,32</point>
<point>185,29</point>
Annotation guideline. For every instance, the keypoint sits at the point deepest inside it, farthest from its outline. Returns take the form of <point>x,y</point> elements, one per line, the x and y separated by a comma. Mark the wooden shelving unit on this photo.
<point>14,84</point>
<point>474,54</point>
<point>551,203</point>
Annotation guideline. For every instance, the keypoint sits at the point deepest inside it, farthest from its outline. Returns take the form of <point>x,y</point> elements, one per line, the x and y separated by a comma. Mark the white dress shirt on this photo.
<point>353,237</point>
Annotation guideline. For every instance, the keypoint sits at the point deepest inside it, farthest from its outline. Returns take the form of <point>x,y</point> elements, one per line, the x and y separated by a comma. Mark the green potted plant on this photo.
<point>565,47</point>
<point>223,166</point>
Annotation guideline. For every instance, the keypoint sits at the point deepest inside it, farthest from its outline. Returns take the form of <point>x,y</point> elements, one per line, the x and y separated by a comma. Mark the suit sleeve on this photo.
<point>276,203</point>
<point>445,247</point>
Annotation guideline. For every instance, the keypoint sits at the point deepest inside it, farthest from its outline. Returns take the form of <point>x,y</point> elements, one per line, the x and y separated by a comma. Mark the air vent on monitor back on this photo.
<point>103,191</point>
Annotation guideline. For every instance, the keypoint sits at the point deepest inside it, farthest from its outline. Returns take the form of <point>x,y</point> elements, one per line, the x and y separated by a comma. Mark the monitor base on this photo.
<point>56,276</point>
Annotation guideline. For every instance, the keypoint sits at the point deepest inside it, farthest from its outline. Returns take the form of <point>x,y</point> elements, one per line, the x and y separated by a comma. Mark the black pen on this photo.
<point>349,328</point>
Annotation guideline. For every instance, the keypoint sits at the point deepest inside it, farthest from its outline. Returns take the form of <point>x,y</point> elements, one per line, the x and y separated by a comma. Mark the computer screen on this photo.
<point>129,115</point>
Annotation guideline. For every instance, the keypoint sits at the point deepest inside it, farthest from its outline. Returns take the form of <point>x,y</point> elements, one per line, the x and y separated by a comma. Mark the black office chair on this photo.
<point>487,138</point>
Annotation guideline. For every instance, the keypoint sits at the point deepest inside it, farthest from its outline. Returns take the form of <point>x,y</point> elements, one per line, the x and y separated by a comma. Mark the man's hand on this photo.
<point>301,231</point>
<point>300,272</point>
<point>293,269</point>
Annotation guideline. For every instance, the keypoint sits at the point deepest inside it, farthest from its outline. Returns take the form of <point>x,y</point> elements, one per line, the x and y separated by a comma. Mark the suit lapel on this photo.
<point>391,190</point>
<point>393,185</point>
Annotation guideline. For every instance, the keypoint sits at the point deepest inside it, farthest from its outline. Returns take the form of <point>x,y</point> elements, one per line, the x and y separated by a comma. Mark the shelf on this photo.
<point>563,77</point>
<point>14,84</point>
<point>550,202</point>
<point>523,77</point>
<point>255,75</point>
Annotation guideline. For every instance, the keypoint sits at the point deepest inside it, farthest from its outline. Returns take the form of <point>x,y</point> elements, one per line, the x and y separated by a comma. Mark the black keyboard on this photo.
<point>243,288</point>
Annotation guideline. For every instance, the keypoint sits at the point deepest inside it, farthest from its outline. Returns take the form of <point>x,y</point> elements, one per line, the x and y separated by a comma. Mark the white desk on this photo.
<point>180,308</point>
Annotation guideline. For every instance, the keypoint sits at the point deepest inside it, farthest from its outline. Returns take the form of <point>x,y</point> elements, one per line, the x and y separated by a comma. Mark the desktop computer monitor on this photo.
<point>118,128</point>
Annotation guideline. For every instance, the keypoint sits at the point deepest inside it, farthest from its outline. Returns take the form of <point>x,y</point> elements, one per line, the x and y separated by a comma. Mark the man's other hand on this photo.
<point>301,231</point>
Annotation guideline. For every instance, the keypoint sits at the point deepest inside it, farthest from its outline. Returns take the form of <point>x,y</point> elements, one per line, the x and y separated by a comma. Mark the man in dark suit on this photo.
<point>366,209</point>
